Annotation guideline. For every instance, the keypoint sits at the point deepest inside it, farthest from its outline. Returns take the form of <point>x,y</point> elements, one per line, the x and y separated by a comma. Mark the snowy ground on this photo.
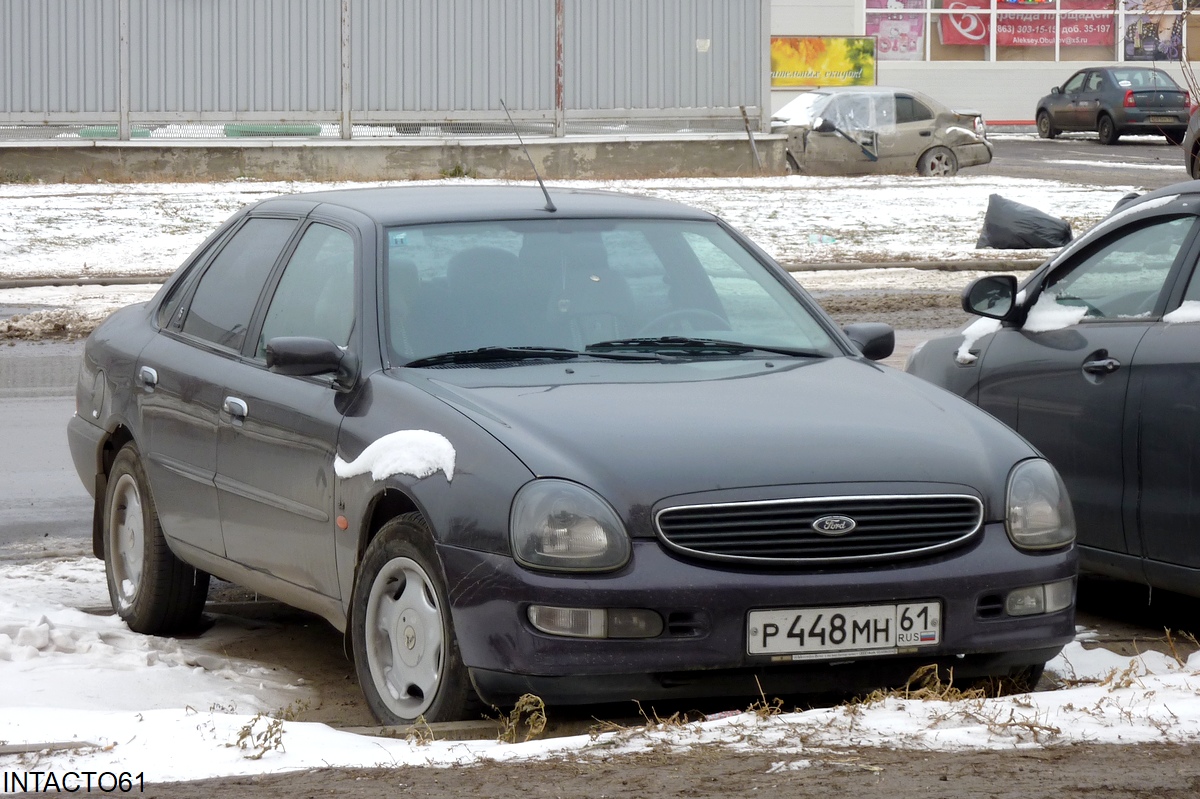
<point>180,710</point>
<point>102,230</point>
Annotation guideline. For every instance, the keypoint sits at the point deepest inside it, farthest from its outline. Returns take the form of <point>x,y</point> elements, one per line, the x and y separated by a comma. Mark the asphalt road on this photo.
<point>1145,161</point>
<point>44,508</point>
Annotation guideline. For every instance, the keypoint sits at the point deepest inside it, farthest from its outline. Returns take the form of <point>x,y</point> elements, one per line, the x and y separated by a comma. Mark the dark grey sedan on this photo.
<point>583,445</point>
<point>1095,358</point>
<point>1114,101</point>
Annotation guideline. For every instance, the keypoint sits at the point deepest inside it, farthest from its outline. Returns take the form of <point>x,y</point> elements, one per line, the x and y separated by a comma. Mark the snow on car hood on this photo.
<point>658,429</point>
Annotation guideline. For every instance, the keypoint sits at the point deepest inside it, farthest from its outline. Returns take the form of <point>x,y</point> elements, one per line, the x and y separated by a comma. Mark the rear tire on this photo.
<point>938,162</point>
<point>1107,130</point>
<point>152,591</point>
<point>1045,129</point>
<point>402,636</point>
<point>1174,137</point>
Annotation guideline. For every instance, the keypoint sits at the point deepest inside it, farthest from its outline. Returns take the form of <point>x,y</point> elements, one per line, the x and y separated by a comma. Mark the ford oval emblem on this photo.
<point>834,525</point>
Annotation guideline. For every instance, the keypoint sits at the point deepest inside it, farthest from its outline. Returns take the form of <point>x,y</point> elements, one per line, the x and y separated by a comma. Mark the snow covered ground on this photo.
<point>180,710</point>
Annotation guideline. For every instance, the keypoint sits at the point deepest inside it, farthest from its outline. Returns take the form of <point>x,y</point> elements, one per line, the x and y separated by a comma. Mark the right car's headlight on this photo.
<point>557,525</point>
<point>1039,512</point>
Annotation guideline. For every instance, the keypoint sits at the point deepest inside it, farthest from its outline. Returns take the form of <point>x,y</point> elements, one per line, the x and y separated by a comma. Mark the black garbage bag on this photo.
<point>1009,225</point>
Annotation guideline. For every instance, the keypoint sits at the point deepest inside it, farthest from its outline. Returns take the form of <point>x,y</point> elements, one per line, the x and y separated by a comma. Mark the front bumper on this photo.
<point>703,651</point>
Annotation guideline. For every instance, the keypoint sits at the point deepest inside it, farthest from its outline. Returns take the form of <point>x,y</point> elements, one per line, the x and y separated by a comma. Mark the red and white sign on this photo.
<point>969,23</point>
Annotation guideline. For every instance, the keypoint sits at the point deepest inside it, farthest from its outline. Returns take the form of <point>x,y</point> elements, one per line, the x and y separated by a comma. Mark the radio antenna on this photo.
<point>549,203</point>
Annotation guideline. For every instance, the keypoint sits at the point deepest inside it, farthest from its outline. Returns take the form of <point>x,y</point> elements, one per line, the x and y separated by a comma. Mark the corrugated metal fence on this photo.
<point>369,68</point>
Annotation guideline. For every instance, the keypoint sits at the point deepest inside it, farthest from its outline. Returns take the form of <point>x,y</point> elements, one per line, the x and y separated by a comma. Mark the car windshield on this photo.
<point>803,109</point>
<point>566,284</point>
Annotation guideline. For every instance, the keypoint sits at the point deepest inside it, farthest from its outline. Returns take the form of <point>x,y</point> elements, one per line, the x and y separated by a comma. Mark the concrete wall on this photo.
<point>560,159</point>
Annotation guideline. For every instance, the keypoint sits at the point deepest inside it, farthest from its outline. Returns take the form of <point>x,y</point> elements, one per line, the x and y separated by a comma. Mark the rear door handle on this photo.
<point>926,133</point>
<point>236,408</point>
<point>148,377</point>
<point>1101,366</point>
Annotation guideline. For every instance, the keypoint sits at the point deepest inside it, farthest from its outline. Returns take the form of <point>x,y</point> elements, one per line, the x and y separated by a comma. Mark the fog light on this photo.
<point>596,622</point>
<point>571,622</point>
<point>1026,601</point>
<point>1035,599</point>
<point>634,623</point>
<point>1060,595</point>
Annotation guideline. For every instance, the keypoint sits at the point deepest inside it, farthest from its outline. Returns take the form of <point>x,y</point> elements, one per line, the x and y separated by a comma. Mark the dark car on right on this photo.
<point>1115,101</point>
<point>1191,147</point>
<point>1094,358</point>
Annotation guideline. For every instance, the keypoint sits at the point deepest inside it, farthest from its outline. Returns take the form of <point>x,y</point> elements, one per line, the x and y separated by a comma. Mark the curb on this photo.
<point>1016,265</point>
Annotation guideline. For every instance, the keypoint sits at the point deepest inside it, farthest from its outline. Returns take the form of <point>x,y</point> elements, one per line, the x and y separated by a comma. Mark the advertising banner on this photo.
<point>898,36</point>
<point>969,23</point>
<point>1154,34</point>
<point>799,61</point>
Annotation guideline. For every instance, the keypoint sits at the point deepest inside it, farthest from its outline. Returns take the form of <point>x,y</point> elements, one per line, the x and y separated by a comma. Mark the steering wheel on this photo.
<point>673,319</point>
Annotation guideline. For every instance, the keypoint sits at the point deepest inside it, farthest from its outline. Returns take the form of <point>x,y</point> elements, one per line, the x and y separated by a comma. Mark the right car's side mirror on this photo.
<point>993,296</point>
<point>1055,90</point>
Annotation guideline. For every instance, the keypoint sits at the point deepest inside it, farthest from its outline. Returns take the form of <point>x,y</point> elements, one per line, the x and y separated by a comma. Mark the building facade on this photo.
<point>997,56</point>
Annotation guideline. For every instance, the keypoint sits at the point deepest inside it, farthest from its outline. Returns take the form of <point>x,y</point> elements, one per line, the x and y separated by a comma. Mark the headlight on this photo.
<point>561,526</point>
<point>1039,510</point>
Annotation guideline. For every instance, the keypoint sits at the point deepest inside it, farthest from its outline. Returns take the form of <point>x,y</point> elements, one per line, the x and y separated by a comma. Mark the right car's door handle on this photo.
<point>1101,366</point>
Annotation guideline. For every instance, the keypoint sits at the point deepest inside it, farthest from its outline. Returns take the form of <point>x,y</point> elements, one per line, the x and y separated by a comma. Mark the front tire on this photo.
<point>152,591</point>
<point>405,651</point>
<point>1044,127</point>
<point>937,162</point>
<point>1107,130</point>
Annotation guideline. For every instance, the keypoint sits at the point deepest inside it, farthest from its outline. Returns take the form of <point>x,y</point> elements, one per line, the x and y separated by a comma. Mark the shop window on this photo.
<point>1030,30</point>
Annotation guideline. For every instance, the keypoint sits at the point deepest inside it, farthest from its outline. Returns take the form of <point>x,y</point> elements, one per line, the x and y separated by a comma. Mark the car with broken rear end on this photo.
<point>860,130</point>
<point>588,446</point>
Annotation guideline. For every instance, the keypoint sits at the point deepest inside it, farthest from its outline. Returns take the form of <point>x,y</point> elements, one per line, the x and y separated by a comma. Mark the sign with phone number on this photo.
<point>964,25</point>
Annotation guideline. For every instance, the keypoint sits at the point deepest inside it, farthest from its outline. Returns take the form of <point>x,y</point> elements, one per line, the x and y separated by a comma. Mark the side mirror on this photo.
<point>993,296</point>
<point>303,356</point>
<point>823,125</point>
<point>877,341</point>
<point>1055,90</point>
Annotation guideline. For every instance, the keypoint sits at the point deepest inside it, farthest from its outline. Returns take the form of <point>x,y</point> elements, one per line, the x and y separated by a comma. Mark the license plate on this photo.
<point>804,633</point>
<point>1168,120</point>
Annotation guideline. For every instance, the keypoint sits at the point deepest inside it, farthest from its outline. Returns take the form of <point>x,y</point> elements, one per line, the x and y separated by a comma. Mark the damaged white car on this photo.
<point>860,130</point>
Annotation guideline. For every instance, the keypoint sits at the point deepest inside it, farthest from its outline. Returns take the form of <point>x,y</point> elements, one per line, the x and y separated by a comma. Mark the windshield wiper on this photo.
<point>493,354</point>
<point>501,354</point>
<point>697,346</point>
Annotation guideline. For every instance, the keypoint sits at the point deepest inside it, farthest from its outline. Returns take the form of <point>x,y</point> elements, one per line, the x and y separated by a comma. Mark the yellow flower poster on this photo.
<point>822,61</point>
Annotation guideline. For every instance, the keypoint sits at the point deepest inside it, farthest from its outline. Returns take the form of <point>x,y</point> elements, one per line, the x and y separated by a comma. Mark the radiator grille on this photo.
<point>780,532</point>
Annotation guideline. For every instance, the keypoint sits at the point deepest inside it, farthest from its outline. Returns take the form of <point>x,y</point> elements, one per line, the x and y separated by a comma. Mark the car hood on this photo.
<point>638,432</point>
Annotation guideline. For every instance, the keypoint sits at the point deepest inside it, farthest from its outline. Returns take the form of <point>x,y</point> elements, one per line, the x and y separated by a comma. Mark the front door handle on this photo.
<point>926,133</point>
<point>236,408</point>
<point>1101,366</point>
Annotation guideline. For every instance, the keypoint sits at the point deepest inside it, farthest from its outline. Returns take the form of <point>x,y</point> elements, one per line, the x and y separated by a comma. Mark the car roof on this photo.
<point>406,205</point>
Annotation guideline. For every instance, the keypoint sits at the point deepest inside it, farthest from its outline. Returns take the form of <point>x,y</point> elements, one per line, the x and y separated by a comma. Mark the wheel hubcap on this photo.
<point>127,539</point>
<point>404,640</point>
